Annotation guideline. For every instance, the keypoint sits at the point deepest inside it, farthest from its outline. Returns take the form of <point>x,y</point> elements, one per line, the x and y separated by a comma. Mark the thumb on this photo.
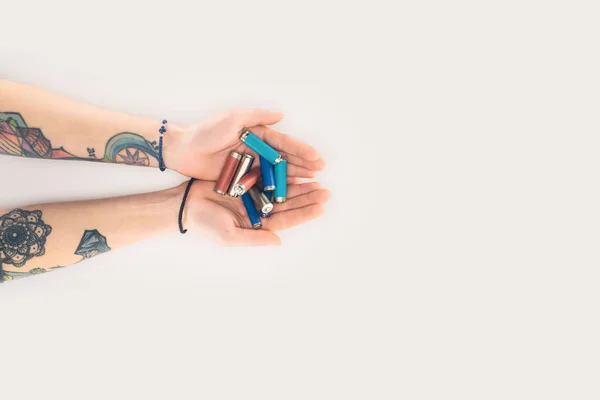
<point>257,117</point>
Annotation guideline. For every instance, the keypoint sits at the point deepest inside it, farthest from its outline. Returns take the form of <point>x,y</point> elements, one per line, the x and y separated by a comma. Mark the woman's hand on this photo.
<point>200,151</point>
<point>224,220</point>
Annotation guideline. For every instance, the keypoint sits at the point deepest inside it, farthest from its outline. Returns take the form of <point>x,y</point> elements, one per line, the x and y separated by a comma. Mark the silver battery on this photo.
<point>241,170</point>
<point>262,203</point>
<point>238,189</point>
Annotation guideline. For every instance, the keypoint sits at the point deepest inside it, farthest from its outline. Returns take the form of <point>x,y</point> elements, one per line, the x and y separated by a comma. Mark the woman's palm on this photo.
<point>224,219</point>
<point>203,149</point>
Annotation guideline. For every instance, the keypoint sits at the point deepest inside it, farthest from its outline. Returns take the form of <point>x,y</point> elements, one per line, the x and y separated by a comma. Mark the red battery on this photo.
<point>246,182</point>
<point>227,172</point>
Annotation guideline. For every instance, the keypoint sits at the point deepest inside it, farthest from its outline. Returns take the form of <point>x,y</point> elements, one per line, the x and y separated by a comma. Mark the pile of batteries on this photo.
<point>238,178</point>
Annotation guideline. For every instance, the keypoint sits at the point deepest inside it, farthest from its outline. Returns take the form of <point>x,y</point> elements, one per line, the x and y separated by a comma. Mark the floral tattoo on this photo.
<point>22,236</point>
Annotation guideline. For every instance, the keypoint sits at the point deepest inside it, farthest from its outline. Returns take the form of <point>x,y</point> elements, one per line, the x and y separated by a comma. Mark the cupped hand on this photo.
<point>223,219</point>
<point>200,151</point>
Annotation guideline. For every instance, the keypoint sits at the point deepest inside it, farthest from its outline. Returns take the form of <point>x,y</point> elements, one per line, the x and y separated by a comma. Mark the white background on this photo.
<point>458,257</point>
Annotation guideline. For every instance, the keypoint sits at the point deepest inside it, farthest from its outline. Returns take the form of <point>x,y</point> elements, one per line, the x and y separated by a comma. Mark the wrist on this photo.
<point>160,209</point>
<point>171,202</point>
<point>172,145</point>
<point>195,207</point>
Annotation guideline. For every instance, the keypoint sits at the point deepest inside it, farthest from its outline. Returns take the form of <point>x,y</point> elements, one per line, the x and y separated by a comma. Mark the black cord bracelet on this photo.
<point>185,195</point>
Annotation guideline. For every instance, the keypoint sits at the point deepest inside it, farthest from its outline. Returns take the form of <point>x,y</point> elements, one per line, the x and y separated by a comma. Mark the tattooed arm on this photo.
<point>35,123</point>
<point>40,238</point>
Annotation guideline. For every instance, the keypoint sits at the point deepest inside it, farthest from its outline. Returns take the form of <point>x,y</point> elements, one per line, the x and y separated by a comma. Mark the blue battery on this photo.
<point>267,173</point>
<point>269,194</point>
<point>260,147</point>
<point>251,210</point>
<point>281,181</point>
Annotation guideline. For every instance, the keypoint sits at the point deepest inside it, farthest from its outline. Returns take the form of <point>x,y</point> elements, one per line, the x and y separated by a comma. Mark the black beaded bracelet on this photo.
<point>161,162</point>
<point>185,195</point>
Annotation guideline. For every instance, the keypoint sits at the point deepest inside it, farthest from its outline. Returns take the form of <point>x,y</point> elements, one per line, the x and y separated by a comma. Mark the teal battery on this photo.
<point>267,174</point>
<point>251,210</point>
<point>280,181</point>
<point>260,147</point>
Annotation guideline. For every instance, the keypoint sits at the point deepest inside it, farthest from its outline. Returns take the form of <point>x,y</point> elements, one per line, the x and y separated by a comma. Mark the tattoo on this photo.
<point>92,243</point>
<point>129,148</point>
<point>22,236</point>
<point>11,275</point>
<point>17,139</point>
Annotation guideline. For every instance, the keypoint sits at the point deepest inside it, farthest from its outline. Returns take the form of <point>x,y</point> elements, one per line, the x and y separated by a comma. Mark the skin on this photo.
<point>197,151</point>
<point>224,220</point>
<point>128,219</point>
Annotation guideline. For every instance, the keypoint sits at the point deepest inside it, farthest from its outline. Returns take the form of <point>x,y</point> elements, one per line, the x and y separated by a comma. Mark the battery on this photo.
<point>251,210</point>
<point>268,174</point>
<point>260,147</point>
<point>269,194</point>
<point>281,181</point>
<point>247,181</point>
<point>262,203</point>
<point>231,164</point>
<point>264,215</point>
<point>242,170</point>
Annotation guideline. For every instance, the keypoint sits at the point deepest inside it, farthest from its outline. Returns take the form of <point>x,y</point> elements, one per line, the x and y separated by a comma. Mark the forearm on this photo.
<point>39,124</point>
<point>39,238</point>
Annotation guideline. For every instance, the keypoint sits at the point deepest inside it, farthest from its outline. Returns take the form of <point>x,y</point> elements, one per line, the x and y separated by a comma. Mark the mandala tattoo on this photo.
<point>22,236</point>
<point>18,139</point>
<point>92,243</point>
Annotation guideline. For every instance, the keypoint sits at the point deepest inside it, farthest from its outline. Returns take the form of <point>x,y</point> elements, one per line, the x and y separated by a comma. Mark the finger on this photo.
<point>258,117</point>
<point>288,219</point>
<point>300,172</point>
<point>302,188</point>
<point>285,143</point>
<point>251,237</point>
<point>315,197</point>
<point>317,165</point>
<point>293,180</point>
